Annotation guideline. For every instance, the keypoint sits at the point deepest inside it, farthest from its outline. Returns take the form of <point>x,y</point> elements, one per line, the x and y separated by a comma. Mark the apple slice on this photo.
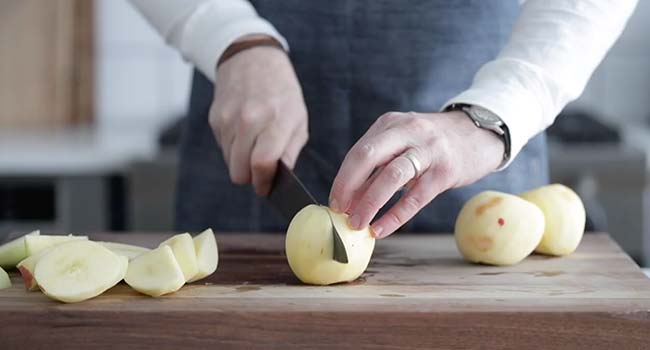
<point>26,268</point>
<point>182,246</point>
<point>13,252</point>
<point>38,243</point>
<point>5,282</point>
<point>155,273</point>
<point>207,254</point>
<point>127,250</point>
<point>78,270</point>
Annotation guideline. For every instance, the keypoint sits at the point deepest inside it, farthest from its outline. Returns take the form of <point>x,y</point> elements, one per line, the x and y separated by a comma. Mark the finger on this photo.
<point>390,180</point>
<point>424,190</point>
<point>296,144</point>
<point>361,160</point>
<point>247,130</point>
<point>269,148</point>
<point>359,194</point>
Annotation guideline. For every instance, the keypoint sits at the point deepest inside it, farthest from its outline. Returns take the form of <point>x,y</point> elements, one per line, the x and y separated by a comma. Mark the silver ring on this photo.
<point>417,166</point>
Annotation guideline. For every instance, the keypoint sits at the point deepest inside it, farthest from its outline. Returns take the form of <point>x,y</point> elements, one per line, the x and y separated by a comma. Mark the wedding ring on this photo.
<point>415,162</point>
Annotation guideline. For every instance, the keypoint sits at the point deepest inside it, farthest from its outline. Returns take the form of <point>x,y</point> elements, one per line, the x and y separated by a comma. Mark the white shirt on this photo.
<point>554,48</point>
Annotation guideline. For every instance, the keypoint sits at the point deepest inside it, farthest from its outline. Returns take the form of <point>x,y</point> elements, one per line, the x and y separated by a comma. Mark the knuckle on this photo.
<point>245,122</point>
<point>389,117</point>
<point>394,172</point>
<point>370,203</point>
<point>393,219</point>
<point>363,152</point>
<point>412,204</point>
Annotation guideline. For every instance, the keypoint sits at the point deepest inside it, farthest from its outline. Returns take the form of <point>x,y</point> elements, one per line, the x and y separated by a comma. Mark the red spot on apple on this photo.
<point>501,221</point>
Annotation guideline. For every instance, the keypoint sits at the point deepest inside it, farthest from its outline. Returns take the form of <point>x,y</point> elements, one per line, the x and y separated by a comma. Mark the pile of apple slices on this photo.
<point>73,268</point>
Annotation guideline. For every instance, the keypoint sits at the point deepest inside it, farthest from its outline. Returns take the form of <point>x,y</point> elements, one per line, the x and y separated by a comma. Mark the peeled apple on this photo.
<point>309,247</point>
<point>498,228</point>
<point>565,218</point>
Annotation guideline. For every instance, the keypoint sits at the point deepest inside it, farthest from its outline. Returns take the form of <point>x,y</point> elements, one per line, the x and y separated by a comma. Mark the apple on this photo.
<point>37,243</point>
<point>5,281</point>
<point>155,273</point>
<point>207,254</point>
<point>26,268</point>
<point>78,270</point>
<point>182,246</point>
<point>309,247</point>
<point>127,250</point>
<point>13,252</point>
<point>498,228</point>
<point>565,218</point>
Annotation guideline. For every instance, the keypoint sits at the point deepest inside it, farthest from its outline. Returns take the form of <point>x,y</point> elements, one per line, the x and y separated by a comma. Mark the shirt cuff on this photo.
<point>204,40</point>
<point>518,109</point>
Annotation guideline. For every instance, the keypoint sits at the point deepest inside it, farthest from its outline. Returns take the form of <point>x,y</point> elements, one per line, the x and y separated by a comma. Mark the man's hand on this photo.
<point>452,152</point>
<point>258,115</point>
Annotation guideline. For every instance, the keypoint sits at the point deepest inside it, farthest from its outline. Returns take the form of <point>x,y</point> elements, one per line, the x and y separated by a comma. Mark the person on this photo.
<point>423,103</point>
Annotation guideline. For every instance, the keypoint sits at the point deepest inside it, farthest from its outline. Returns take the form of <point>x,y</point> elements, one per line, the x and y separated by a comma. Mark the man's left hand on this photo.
<point>451,152</point>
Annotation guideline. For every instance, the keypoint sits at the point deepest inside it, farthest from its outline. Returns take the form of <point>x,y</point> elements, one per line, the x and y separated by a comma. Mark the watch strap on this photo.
<point>240,46</point>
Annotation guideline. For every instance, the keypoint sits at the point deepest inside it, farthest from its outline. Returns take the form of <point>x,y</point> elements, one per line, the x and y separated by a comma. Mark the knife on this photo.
<point>289,195</point>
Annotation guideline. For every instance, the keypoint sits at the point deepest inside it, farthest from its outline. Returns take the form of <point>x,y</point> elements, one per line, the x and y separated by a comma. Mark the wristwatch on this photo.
<point>485,119</point>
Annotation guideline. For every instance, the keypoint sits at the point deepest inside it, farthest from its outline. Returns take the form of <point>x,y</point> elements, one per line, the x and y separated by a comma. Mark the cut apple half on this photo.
<point>78,270</point>
<point>5,281</point>
<point>39,243</point>
<point>155,273</point>
<point>182,246</point>
<point>207,254</point>
<point>13,252</point>
<point>127,250</point>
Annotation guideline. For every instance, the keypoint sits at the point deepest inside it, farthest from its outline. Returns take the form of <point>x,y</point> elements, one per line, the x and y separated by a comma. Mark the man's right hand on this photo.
<point>258,115</point>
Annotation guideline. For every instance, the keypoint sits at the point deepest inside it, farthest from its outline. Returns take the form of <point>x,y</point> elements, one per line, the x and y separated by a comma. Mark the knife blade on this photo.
<point>289,195</point>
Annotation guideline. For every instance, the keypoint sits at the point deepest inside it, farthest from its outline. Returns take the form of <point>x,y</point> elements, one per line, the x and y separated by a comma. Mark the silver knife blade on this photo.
<point>289,195</point>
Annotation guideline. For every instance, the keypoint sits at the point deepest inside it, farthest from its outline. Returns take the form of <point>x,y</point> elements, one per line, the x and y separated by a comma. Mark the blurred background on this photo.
<point>90,99</point>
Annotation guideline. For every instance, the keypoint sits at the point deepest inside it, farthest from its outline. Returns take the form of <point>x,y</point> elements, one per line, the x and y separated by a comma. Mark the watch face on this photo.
<point>485,116</point>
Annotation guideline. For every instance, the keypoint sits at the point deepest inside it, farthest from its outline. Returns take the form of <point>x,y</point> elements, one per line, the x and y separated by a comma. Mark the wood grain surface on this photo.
<point>416,294</point>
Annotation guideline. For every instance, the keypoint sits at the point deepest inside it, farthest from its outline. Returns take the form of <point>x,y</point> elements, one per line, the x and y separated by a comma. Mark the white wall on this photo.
<point>140,82</point>
<point>619,90</point>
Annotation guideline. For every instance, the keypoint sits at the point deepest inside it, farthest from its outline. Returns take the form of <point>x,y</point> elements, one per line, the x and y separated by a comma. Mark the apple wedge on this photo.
<point>182,246</point>
<point>26,268</point>
<point>13,252</point>
<point>207,254</point>
<point>127,250</point>
<point>78,270</point>
<point>38,243</point>
<point>155,273</point>
<point>5,282</point>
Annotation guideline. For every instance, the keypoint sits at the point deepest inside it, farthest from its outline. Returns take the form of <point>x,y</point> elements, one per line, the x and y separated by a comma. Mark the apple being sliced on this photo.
<point>309,246</point>
<point>78,270</point>
<point>5,282</point>
<point>155,273</point>
<point>127,250</point>
<point>182,246</point>
<point>38,243</point>
<point>207,254</point>
<point>13,252</point>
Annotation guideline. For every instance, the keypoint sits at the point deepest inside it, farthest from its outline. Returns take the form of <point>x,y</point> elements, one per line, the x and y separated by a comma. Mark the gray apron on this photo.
<point>355,61</point>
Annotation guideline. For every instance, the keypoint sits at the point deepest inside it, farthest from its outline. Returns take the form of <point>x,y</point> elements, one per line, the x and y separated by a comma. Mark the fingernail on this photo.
<point>376,231</point>
<point>354,222</point>
<point>334,205</point>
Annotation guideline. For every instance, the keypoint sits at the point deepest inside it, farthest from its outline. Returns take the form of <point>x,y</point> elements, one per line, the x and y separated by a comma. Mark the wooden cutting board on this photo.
<point>417,293</point>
